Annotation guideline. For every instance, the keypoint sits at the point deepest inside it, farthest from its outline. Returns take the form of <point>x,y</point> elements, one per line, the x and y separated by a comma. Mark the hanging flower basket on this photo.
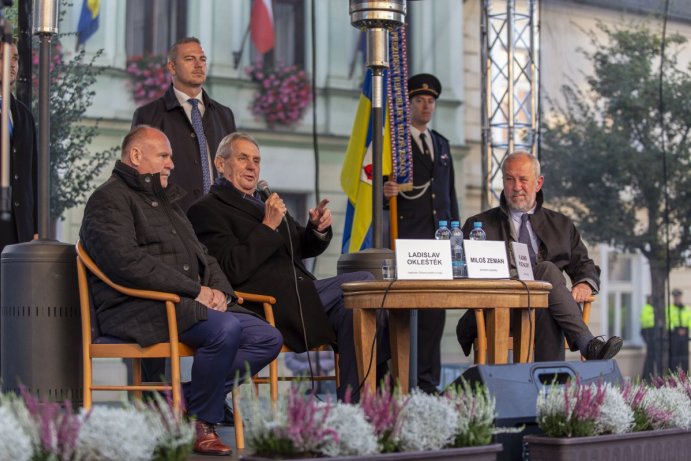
<point>149,77</point>
<point>283,95</point>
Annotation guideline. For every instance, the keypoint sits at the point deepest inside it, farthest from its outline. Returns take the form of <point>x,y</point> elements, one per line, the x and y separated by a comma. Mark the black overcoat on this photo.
<point>140,238</point>
<point>166,114</point>
<point>257,259</point>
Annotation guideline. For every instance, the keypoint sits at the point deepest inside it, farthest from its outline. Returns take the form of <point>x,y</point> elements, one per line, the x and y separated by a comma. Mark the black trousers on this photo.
<point>430,330</point>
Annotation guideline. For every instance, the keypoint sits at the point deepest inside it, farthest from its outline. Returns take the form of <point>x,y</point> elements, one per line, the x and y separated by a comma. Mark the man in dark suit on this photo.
<point>433,198</point>
<point>20,224</point>
<point>260,248</point>
<point>193,122</point>
<point>555,247</point>
<point>139,237</point>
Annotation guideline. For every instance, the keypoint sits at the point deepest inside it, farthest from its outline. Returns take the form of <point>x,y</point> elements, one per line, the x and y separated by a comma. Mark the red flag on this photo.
<point>262,25</point>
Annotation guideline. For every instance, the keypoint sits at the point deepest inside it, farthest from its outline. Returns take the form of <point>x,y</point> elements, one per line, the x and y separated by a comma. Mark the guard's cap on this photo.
<point>424,84</point>
<point>676,292</point>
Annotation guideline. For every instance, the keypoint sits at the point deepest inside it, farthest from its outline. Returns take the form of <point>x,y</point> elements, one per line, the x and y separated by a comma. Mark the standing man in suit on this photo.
<point>260,248</point>
<point>433,198</point>
<point>193,122</point>
<point>20,224</point>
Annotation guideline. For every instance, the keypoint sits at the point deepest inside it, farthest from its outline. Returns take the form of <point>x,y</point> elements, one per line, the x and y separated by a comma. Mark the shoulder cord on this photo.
<point>422,188</point>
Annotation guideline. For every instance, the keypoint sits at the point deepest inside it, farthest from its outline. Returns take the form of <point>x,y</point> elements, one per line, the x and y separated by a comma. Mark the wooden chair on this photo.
<point>96,346</point>
<point>274,377</point>
<point>480,344</point>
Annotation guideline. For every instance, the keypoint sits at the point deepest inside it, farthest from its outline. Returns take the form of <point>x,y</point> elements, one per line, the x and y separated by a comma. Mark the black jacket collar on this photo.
<point>149,184</point>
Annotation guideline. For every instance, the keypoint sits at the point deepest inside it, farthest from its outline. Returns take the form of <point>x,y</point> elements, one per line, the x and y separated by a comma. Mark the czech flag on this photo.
<point>262,26</point>
<point>88,21</point>
<point>356,175</point>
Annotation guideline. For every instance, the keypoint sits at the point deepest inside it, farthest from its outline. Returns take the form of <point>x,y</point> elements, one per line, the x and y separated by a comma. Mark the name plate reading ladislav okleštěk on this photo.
<point>423,259</point>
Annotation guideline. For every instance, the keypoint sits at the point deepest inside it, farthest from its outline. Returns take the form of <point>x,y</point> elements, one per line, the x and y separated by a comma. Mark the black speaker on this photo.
<point>515,388</point>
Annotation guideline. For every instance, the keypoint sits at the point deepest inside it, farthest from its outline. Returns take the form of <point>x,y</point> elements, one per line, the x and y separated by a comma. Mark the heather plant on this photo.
<point>678,378</point>
<point>353,434</point>
<point>382,410</point>
<point>571,410</point>
<point>55,428</point>
<point>116,434</point>
<point>297,425</point>
<point>616,416</point>
<point>15,443</point>
<point>672,401</point>
<point>427,423</point>
<point>475,408</point>
<point>645,417</point>
<point>176,432</point>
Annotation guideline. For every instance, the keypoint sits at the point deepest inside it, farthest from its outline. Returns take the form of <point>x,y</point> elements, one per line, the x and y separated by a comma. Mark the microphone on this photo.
<point>263,188</point>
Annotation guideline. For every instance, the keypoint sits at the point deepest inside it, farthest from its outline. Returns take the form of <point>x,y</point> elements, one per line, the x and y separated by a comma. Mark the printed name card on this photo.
<point>486,259</point>
<point>423,260</point>
<point>522,259</point>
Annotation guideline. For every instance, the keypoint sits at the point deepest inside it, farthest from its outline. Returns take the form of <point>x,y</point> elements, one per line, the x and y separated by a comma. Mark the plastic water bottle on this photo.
<point>477,233</point>
<point>457,255</point>
<point>443,232</point>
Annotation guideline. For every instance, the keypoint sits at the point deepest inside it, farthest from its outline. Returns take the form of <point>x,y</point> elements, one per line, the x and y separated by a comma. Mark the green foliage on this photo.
<point>73,166</point>
<point>602,149</point>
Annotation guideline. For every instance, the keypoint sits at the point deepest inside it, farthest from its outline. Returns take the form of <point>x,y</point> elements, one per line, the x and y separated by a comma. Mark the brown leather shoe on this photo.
<point>208,442</point>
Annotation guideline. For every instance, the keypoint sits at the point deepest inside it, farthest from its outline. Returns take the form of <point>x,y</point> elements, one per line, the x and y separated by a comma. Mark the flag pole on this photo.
<point>393,222</point>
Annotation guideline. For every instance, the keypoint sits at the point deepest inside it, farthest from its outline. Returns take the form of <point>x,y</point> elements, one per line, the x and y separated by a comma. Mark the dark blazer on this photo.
<point>418,218</point>
<point>560,242</point>
<point>140,238</point>
<point>257,259</point>
<point>168,115</point>
<point>23,172</point>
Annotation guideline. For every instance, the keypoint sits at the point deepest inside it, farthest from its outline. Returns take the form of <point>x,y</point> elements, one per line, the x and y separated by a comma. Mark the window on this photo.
<point>623,291</point>
<point>153,25</point>
<point>289,33</point>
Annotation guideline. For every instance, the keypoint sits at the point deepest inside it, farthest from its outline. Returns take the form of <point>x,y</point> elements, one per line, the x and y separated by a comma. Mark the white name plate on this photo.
<point>486,259</point>
<point>423,260</point>
<point>522,259</point>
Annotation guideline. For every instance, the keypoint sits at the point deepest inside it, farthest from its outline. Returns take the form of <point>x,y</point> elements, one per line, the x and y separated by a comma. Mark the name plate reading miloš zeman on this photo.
<point>486,259</point>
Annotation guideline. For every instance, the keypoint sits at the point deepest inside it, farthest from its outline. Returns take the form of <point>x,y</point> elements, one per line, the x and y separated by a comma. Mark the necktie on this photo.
<point>201,140</point>
<point>425,147</point>
<point>524,237</point>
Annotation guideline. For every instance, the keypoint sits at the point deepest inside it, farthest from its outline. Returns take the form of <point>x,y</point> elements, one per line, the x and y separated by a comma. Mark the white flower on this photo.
<point>15,444</point>
<point>427,422</point>
<point>116,434</point>
<point>174,431</point>
<point>672,400</point>
<point>355,436</point>
<point>616,416</point>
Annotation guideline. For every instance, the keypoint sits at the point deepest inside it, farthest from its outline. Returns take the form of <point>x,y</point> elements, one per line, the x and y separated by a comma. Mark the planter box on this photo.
<point>484,453</point>
<point>662,445</point>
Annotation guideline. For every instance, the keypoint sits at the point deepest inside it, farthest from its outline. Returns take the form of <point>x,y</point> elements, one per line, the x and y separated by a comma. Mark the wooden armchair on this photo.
<point>96,346</point>
<point>274,377</point>
<point>480,344</point>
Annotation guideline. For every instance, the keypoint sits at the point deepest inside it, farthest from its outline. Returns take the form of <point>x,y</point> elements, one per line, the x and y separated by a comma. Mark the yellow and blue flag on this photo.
<point>356,175</point>
<point>88,21</point>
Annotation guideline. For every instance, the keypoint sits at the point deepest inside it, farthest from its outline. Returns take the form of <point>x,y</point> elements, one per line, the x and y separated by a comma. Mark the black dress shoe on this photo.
<point>597,349</point>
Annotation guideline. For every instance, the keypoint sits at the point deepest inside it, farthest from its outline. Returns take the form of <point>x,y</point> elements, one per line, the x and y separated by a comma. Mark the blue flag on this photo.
<point>88,21</point>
